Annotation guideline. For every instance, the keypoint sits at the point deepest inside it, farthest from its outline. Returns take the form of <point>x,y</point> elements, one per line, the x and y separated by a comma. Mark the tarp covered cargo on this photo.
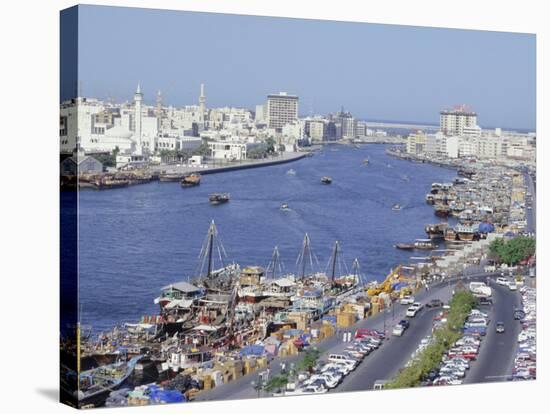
<point>251,350</point>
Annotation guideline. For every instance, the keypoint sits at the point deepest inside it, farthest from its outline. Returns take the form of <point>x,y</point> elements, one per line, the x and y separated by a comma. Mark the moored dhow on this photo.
<point>436,231</point>
<point>442,210</point>
<point>191,180</point>
<point>170,176</point>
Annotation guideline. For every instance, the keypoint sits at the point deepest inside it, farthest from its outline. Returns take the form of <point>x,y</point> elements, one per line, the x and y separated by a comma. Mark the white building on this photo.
<point>453,122</point>
<point>261,112</point>
<point>231,150</point>
<point>281,110</point>
<point>293,130</point>
<point>317,129</point>
<point>416,143</point>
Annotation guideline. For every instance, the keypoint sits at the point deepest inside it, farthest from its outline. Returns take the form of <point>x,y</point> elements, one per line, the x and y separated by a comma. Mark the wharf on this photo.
<point>213,168</point>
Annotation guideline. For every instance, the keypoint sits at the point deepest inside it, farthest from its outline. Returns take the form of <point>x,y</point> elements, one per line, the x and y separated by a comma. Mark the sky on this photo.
<point>377,72</point>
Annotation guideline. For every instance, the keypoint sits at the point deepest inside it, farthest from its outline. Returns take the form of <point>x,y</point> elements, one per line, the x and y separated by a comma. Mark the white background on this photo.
<point>29,201</point>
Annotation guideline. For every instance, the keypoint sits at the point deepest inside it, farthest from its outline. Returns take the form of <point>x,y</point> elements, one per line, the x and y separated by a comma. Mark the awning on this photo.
<point>179,303</point>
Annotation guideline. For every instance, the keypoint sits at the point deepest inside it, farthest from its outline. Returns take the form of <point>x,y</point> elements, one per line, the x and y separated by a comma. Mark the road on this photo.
<point>388,360</point>
<point>496,354</point>
<point>381,364</point>
<point>531,215</point>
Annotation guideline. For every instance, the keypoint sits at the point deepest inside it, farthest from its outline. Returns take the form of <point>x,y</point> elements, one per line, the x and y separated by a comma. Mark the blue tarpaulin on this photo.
<point>330,318</point>
<point>486,227</point>
<point>400,285</point>
<point>167,396</point>
<point>249,350</point>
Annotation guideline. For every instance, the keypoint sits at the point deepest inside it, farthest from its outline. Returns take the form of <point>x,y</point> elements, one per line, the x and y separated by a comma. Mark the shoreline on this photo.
<point>183,169</point>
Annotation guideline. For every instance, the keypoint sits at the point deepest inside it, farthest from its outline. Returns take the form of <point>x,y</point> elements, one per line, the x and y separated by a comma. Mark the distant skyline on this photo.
<point>377,72</point>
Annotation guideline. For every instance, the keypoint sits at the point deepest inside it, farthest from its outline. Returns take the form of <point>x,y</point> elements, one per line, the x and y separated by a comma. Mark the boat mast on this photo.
<point>355,269</point>
<point>274,261</point>
<point>304,250</point>
<point>211,232</point>
<point>334,256</point>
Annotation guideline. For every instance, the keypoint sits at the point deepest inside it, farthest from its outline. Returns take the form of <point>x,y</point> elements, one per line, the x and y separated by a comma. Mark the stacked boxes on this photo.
<point>300,318</point>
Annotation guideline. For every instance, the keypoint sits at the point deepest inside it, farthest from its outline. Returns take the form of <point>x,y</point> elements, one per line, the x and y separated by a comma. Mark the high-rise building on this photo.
<point>453,121</point>
<point>282,109</point>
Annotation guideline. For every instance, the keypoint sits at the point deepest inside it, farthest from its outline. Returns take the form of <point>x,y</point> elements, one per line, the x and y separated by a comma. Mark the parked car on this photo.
<point>519,314</point>
<point>484,300</point>
<point>434,303</point>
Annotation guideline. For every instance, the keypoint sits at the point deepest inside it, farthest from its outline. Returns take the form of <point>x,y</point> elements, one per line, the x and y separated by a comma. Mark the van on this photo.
<point>379,384</point>
<point>343,359</point>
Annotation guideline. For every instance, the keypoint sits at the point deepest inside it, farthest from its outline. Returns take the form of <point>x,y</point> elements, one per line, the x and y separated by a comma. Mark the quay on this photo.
<point>218,167</point>
<point>121,179</point>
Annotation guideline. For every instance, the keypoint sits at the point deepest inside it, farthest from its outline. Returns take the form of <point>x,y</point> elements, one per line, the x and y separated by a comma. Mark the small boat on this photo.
<point>291,172</point>
<point>406,178</point>
<point>436,231</point>
<point>424,244</point>
<point>396,207</point>
<point>326,180</point>
<point>285,207</point>
<point>96,384</point>
<point>405,246</point>
<point>366,161</point>
<point>218,198</point>
<point>191,180</point>
<point>111,183</point>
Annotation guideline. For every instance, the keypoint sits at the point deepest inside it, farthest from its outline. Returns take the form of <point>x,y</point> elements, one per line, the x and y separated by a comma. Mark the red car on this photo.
<point>364,332</point>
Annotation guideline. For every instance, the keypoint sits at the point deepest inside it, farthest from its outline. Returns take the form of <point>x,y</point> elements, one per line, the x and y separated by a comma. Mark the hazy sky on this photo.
<point>378,72</point>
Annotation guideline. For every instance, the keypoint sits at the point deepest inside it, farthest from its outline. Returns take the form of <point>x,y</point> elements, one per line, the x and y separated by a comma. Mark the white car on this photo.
<point>312,389</point>
<point>411,311</point>
<point>328,379</point>
<point>341,368</point>
<point>467,340</point>
<point>477,312</point>
<point>512,285</point>
<point>398,330</point>
<point>343,359</point>
<point>502,281</point>
<point>407,300</point>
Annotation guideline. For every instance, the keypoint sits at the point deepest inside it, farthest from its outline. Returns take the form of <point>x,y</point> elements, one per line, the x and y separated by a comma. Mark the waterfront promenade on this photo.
<point>216,166</point>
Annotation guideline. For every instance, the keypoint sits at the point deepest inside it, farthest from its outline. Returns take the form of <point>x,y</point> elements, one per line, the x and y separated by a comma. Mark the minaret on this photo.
<point>159,110</point>
<point>202,102</point>
<point>138,96</point>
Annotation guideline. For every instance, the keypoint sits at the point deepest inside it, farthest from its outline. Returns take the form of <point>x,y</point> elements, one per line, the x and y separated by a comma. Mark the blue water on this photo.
<point>135,240</point>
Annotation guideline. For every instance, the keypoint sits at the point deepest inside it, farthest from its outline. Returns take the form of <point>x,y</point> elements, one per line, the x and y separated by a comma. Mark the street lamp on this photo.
<point>385,336</point>
<point>257,386</point>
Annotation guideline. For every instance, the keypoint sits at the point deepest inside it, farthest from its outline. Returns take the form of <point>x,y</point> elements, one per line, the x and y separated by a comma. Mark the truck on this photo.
<point>480,288</point>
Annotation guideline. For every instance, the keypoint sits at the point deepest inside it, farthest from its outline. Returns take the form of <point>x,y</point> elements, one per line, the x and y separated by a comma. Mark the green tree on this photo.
<point>514,250</point>
<point>270,144</point>
<point>311,356</point>
<point>460,306</point>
